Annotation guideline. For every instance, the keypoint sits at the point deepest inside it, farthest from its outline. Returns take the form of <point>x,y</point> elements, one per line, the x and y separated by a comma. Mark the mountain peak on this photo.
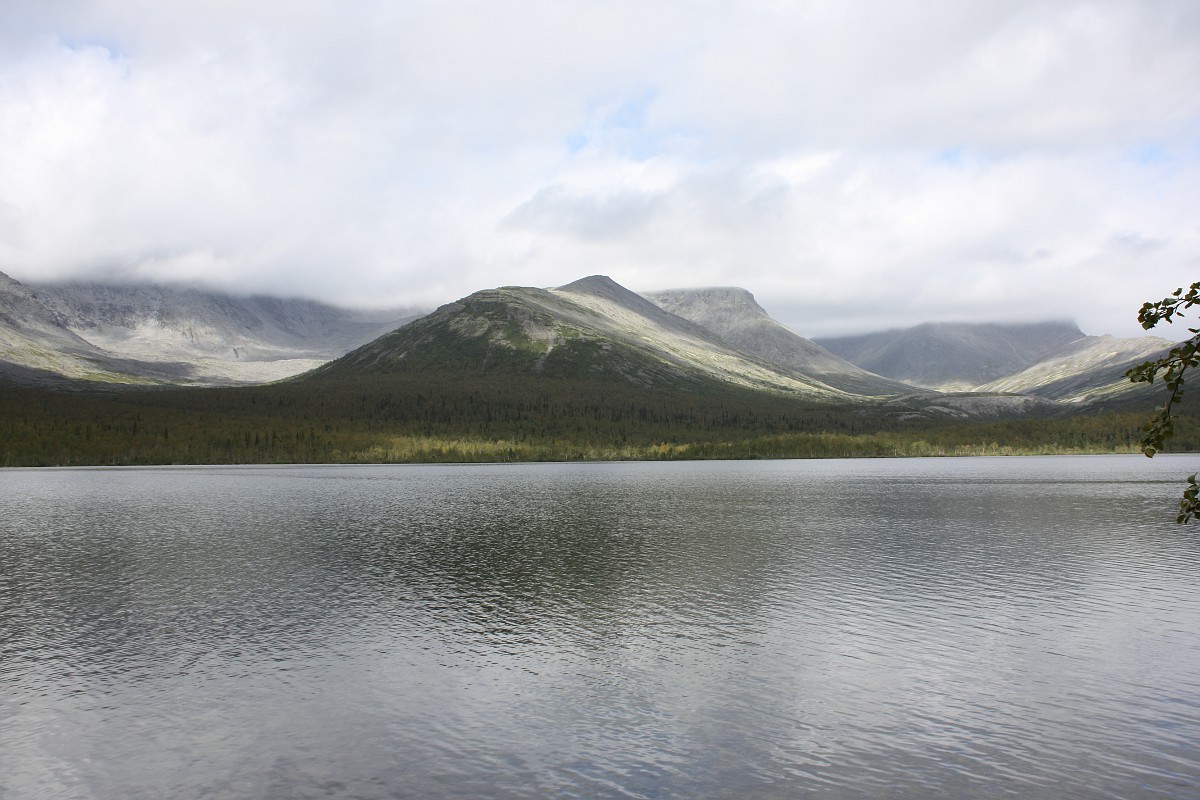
<point>606,289</point>
<point>591,329</point>
<point>593,284</point>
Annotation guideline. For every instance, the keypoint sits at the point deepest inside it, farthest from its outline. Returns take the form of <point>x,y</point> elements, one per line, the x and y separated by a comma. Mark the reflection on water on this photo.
<point>966,627</point>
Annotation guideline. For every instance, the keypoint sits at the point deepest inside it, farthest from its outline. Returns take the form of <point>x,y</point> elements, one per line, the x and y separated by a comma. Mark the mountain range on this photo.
<point>146,335</point>
<point>137,335</point>
<point>1054,360</point>
<point>595,328</point>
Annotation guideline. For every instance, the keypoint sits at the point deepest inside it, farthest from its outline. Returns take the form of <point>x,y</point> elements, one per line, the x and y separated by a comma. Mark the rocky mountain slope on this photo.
<point>143,334</point>
<point>590,329</point>
<point>37,348</point>
<point>1088,370</point>
<point>734,315</point>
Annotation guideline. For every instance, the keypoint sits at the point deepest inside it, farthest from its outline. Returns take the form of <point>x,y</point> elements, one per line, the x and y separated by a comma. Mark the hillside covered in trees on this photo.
<point>451,418</point>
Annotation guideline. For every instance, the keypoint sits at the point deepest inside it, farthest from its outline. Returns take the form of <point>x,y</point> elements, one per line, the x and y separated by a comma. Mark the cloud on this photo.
<point>855,164</point>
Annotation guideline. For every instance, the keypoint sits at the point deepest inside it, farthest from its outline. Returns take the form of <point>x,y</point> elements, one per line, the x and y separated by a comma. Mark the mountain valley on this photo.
<point>147,335</point>
<point>143,335</point>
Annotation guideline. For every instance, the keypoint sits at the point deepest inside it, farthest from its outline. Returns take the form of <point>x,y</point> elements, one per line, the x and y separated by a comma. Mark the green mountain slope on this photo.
<point>592,329</point>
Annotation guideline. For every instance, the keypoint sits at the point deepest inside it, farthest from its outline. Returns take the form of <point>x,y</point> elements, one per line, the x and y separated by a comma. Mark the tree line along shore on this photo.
<point>456,419</point>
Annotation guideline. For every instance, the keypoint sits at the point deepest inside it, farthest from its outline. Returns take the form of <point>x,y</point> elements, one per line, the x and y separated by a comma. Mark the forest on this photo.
<point>456,418</point>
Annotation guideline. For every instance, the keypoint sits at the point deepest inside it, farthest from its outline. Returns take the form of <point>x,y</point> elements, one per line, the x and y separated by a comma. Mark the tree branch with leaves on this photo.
<point>1173,366</point>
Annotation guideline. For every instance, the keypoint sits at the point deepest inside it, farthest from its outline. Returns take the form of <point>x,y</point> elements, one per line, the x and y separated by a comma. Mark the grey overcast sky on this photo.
<point>857,165</point>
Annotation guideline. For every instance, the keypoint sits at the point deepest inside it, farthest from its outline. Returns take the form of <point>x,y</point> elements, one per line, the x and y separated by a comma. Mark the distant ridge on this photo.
<point>954,356</point>
<point>1052,360</point>
<point>143,333</point>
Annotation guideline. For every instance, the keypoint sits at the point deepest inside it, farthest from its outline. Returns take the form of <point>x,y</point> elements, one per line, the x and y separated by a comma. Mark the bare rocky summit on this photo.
<point>733,314</point>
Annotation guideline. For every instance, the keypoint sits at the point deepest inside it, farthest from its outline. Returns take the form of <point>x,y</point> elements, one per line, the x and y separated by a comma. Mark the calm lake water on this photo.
<point>1024,627</point>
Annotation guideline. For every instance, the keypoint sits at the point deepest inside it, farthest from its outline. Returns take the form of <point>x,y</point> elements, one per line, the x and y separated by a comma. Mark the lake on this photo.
<point>899,628</point>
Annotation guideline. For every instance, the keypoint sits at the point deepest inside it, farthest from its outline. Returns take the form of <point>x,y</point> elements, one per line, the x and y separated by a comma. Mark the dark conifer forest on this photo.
<point>456,418</point>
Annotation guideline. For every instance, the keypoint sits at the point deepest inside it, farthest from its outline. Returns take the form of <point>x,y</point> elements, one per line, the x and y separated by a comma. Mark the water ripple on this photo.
<point>991,626</point>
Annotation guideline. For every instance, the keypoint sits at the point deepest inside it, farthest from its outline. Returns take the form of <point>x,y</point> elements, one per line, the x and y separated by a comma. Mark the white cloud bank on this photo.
<point>856,165</point>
